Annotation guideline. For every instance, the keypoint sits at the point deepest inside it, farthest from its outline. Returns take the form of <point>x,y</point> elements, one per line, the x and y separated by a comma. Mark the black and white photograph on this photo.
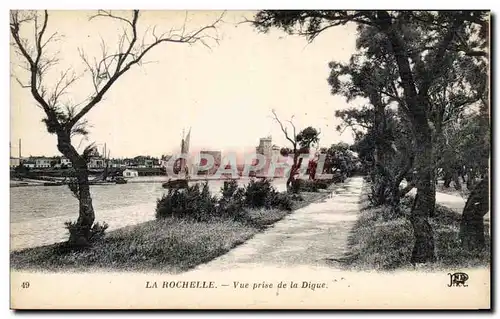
<point>266,159</point>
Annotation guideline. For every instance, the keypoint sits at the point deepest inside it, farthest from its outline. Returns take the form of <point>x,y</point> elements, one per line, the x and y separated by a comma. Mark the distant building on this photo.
<point>41,161</point>
<point>269,150</point>
<point>265,146</point>
<point>14,162</point>
<point>28,163</point>
<point>130,173</point>
<point>150,163</point>
<point>96,162</point>
<point>66,162</point>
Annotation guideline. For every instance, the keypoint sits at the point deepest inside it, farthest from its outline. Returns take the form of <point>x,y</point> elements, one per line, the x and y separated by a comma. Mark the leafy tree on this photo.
<point>30,41</point>
<point>339,159</point>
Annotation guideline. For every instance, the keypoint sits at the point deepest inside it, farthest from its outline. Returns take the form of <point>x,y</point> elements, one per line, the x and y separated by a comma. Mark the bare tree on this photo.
<point>65,120</point>
<point>301,143</point>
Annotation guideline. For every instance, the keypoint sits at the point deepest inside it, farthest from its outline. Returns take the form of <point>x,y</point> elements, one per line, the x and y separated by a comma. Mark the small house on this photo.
<point>129,173</point>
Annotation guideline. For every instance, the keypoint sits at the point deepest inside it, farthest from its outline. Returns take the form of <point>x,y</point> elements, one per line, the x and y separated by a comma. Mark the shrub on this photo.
<point>257,193</point>
<point>280,200</point>
<point>193,203</point>
<point>232,202</point>
<point>261,194</point>
<point>229,188</point>
<point>198,204</point>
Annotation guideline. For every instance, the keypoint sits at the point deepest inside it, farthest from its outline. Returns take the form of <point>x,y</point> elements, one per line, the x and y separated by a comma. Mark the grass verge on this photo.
<point>167,245</point>
<point>377,242</point>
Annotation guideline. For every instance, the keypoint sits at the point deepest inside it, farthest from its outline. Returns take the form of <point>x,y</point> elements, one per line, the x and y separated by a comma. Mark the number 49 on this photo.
<point>25,284</point>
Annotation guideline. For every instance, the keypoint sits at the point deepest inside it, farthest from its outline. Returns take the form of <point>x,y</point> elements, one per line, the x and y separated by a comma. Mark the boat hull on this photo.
<point>177,184</point>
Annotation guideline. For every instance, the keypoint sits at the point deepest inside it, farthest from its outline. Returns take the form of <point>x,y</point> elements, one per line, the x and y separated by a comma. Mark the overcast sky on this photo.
<point>225,94</point>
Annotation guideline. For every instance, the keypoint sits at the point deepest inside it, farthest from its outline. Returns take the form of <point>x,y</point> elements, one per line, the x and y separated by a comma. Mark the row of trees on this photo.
<point>424,76</point>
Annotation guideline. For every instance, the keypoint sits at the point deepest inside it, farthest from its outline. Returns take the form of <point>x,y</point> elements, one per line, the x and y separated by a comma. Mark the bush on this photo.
<point>261,194</point>
<point>232,202</point>
<point>257,193</point>
<point>198,204</point>
<point>280,200</point>
<point>193,203</point>
<point>229,189</point>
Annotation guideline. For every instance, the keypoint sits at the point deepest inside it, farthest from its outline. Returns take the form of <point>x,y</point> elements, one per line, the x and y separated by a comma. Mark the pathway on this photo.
<point>456,203</point>
<point>308,236</point>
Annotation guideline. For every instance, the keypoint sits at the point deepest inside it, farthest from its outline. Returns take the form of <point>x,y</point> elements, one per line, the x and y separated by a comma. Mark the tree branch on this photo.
<point>122,66</point>
<point>284,130</point>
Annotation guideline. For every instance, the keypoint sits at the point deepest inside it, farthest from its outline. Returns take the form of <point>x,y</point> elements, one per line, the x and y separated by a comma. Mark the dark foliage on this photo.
<point>194,203</point>
<point>257,193</point>
<point>198,204</point>
<point>314,185</point>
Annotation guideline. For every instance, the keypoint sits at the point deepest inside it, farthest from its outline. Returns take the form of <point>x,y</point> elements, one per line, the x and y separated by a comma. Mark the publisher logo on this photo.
<point>458,279</point>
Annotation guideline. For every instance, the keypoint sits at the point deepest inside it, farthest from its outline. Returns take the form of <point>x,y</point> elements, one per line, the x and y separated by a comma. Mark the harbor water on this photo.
<point>38,213</point>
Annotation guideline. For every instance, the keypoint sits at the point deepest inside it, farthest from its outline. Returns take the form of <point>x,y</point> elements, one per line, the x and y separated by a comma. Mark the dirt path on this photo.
<point>308,236</point>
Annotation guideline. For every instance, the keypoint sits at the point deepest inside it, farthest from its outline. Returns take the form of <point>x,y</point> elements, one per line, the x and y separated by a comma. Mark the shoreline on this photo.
<point>40,183</point>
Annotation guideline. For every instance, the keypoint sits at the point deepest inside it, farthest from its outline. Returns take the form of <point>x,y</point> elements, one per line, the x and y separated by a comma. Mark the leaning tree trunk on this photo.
<point>423,250</point>
<point>81,234</point>
<point>86,214</point>
<point>472,225</point>
<point>291,178</point>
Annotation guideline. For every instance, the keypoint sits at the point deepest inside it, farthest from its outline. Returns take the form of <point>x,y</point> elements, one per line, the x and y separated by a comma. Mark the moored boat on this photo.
<point>179,184</point>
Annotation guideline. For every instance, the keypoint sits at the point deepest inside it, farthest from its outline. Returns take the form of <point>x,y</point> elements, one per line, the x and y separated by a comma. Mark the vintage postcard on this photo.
<point>272,159</point>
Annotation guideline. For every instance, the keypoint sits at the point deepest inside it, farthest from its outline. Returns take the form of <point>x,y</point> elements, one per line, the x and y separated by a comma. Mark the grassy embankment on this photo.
<point>167,245</point>
<point>378,243</point>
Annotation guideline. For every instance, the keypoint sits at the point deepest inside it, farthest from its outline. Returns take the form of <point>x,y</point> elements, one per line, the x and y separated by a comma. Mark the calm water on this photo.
<point>37,214</point>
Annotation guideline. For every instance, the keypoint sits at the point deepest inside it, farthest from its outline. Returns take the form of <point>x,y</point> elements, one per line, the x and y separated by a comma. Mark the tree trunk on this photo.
<point>456,181</point>
<point>423,250</point>
<point>471,176</point>
<point>472,225</point>
<point>447,179</point>
<point>293,170</point>
<point>381,178</point>
<point>86,214</point>
<point>80,237</point>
